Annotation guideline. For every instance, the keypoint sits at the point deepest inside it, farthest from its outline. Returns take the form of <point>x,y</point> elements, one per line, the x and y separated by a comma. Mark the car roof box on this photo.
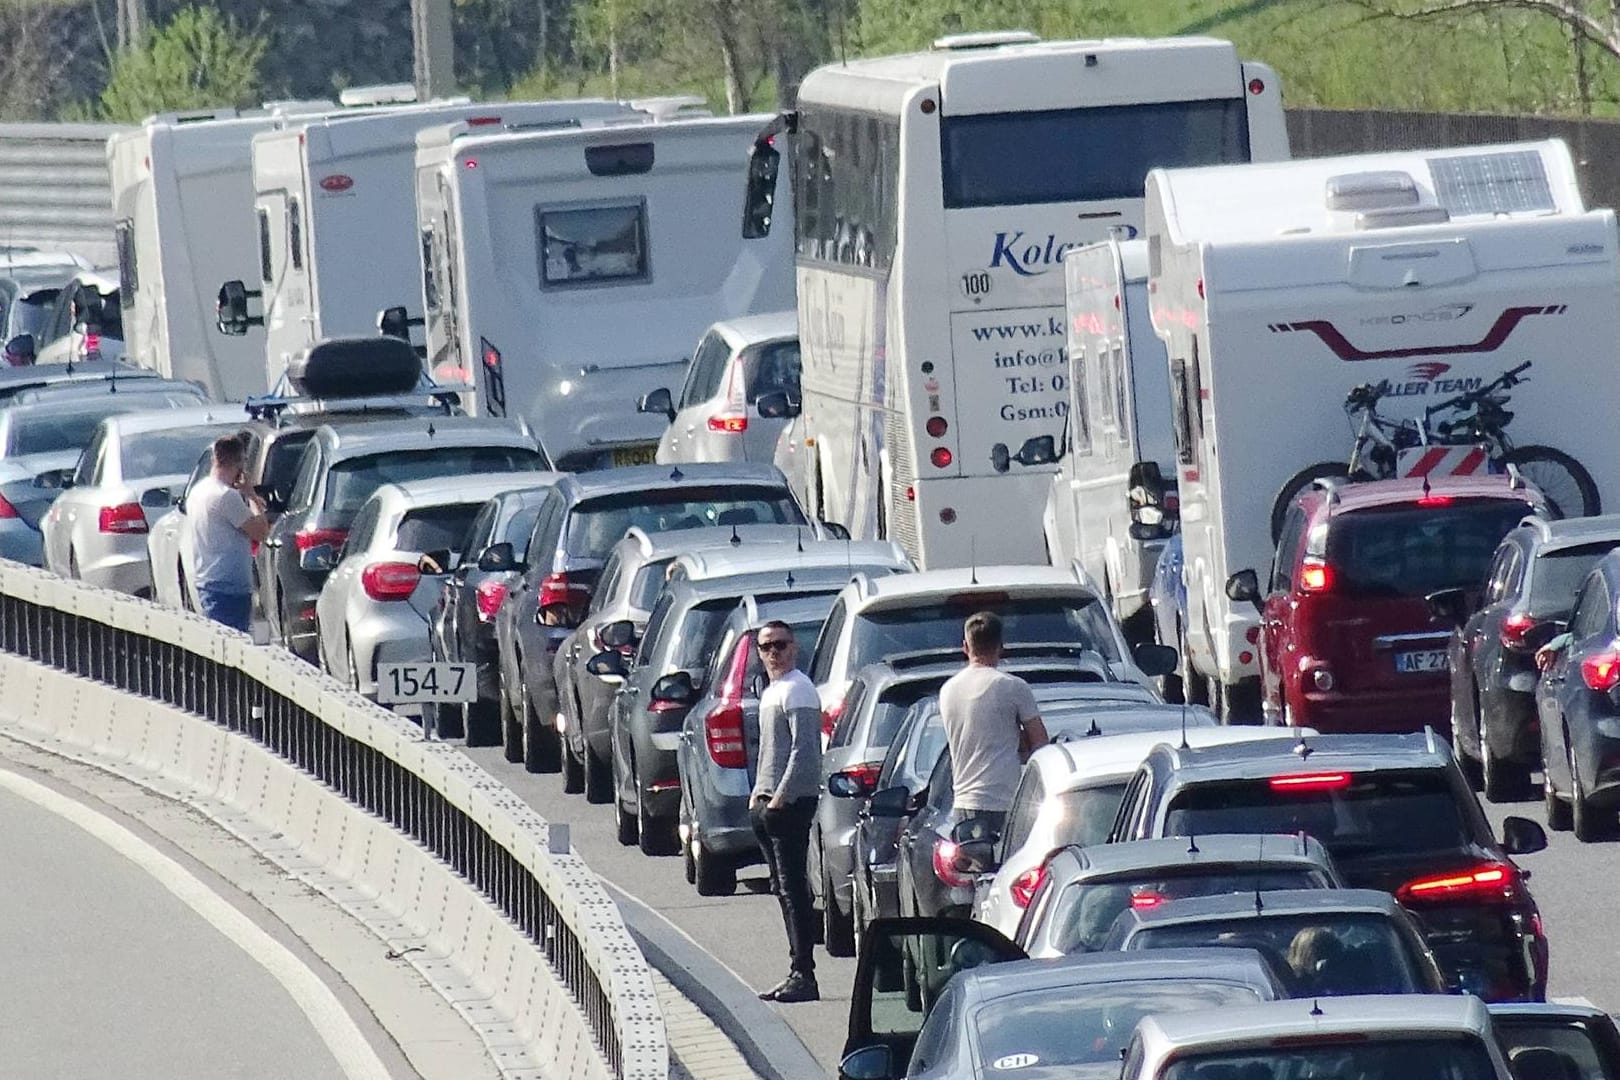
<point>356,367</point>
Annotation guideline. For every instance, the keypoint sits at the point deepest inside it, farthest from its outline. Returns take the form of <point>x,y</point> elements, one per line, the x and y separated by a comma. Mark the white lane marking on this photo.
<point>350,1048</point>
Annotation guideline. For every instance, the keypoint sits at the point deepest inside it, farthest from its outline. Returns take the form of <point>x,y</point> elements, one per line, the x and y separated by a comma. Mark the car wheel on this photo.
<point>511,730</point>
<point>284,623</point>
<point>837,927</point>
<point>354,672</point>
<point>73,565</point>
<point>857,916</point>
<point>573,769</point>
<point>481,723</point>
<point>540,750</point>
<point>655,837</point>
<point>1558,812</point>
<point>598,778</point>
<point>1500,781</point>
<point>688,859</point>
<point>1590,823</point>
<point>624,824</point>
<point>714,875</point>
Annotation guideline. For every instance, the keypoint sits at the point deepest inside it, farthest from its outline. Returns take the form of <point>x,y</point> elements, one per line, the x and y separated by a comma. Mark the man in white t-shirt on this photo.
<point>224,519</point>
<point>992,724</point>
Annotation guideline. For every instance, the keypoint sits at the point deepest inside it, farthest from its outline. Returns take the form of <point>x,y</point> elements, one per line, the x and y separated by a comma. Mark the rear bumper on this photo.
<point>1374,711</point>
<point>387,641</point>
<point>121,571</point>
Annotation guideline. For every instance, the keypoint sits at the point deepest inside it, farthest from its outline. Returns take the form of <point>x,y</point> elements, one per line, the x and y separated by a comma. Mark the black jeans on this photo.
<point>784,836</point>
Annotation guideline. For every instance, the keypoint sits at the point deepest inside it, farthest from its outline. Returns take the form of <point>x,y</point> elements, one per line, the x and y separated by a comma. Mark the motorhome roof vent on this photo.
<point>1371,190</point>
<point>986,39</point>
<point>1396,217</point>
<point>385,94</point>
<point>673,107</point>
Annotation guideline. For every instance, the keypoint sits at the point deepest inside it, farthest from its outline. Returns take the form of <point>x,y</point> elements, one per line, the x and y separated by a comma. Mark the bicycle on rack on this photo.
<point>1479,418</point>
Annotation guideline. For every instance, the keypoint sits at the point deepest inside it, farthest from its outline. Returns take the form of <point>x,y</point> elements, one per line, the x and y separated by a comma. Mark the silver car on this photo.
<point>57,425</point>
<point>375,605</point>
<point>23,502</point>
<point>736,362</point>
<point>127,477</point>
<point>87,321</point>
<point>170,559</point>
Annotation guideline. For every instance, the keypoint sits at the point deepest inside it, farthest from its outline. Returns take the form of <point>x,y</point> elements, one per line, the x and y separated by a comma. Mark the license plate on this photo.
<point>635,455</point>
<point>422,684</point>
<point>1424,660</point>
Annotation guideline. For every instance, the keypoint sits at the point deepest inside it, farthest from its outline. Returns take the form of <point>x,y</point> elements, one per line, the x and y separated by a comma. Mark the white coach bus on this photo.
<point>935,195</point>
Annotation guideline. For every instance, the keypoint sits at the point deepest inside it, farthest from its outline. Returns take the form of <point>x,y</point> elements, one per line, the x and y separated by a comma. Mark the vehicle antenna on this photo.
<point>676,474</point>
<point>1260,865</point>
<point>1316,1008</point>
<point>1184,744</point>
<point>1093,729</point>
<point>790,579</point>
<point>1192,844</point>
<point>798,538</point>
<point>1425,485</point>
<point>1302,748</point>
<point>973,560</point>
<point>849,558</point>
<point>735,539</point>
<point>431,431</point>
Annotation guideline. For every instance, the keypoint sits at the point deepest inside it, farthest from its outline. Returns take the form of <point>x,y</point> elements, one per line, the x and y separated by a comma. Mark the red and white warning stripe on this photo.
<point>1443,461</point>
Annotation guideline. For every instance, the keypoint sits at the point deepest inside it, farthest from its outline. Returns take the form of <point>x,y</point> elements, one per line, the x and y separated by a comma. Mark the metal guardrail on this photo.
<point>378,761</point>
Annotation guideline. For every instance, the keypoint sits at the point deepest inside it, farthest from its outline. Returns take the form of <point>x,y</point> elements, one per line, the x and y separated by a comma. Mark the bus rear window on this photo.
<point>1084,155</point>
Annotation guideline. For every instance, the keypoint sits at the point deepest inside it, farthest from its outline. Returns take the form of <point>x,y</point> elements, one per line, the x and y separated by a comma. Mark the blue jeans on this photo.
<point>233,609</point>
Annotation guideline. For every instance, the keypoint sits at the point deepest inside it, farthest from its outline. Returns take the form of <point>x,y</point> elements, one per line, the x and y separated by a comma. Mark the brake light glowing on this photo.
<point>491,355</point>
<point>1435,500</point>
<point>1490,881</point>
<point>125,518</point>
<point>945,866</point>
<point>305,539</point>
<point>936,426</point>
<point>1144,900</point>
<point>6,509</point>
<point>941,457</point>
<point>1514,628</point>
<point>1315,576</point>
<point>92,344</point>
<point>387,581</point>
<point>865,775</point>
<point>1332,781</point>
<point>728,425</point>
<point>1601,671</point>
<point>489,595</point>
<point>1257,86</point>
<point>471,163</point>
<point>723,727</point>
<point>1026,885</point>
<point>482,121</point>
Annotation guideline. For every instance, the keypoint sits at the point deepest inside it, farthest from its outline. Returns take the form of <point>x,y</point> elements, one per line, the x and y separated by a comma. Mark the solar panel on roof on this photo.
<point>1514,182</point>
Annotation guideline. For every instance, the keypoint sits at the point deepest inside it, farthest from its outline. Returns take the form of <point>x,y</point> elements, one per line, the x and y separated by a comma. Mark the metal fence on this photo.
<point>55,190</point>
<point>1594,143</point>
<point>185,662</point>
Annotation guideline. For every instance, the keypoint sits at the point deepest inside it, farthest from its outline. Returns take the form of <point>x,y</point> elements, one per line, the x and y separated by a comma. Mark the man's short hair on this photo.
<point>230,451</point>
<point>778,624</point>
<point>982,632</point>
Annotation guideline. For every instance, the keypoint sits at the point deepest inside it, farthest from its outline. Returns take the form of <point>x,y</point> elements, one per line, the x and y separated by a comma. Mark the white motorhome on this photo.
<point>1112,502</point>
<point>567,272</point>
<point>936,194</point>
<point>1279,288</point>
<point>336,201</point>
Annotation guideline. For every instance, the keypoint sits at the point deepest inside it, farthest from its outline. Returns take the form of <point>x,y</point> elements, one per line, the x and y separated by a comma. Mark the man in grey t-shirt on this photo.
<point>224,519</point>
<point>783,805</point>
<point>991,725</point>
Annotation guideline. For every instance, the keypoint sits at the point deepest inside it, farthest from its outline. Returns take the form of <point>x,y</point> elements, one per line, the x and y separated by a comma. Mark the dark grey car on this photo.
<point>717,756</point>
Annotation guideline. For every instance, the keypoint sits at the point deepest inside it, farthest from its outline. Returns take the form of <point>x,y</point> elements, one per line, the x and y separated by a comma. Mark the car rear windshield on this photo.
<point>1086,814</point>
<point>1353,814</point>
<point>649,583</point>
<point>1056,1026</point>
<point>434,528</point>
<point>772,369</point>
<point>160,453</point>
<point>595,525</point>
<point>518,529</point>
<point>1329,953</point>
<point>281,462</point>
<point>1555,575</point>
<point>1411,551</point>
<point>937,624</point>
<point>351,482</point>
<point>1086,911</point>
<point>1594,1053</point>
<point>890,708</point>
<point>45,433</point>
<point>1454,1057</point>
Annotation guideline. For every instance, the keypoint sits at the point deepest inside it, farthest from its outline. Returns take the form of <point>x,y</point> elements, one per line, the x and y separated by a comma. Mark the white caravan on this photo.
<point>336,202</point>
<point>567,272</point>
<point>1279,288</point>
<point>1112,503</point>
<point>936,195</point>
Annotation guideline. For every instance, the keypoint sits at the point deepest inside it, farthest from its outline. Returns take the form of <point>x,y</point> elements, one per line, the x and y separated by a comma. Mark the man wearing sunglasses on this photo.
<point>784,800</point>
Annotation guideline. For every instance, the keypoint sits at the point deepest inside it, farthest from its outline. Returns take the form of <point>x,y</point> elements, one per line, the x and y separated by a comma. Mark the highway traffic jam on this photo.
<point>942,371</point>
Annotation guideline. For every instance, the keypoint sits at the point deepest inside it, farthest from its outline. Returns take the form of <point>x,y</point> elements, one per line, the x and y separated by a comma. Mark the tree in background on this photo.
<point>198,60</point>
<point>30,66</point>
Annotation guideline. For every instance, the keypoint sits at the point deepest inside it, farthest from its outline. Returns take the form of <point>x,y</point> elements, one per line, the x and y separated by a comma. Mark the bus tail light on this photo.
<point>937,426</point>
<point>941,457</point>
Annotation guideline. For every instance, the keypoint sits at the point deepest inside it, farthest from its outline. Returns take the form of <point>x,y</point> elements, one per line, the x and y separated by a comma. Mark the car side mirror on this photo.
<point>759,197</point>
<point>975,857</point>
<point>851,785</point>
<point>676,688</point>
<point>834,530</point>
<point>1000,457</point>
<point>608,665</point>
<point>1155,660</point>
<point>776,405</point>
<point>434,563</point>
<point>1521,836</point>
<point>618,635</point>
<point>156,499</point>
<point>319,558</point>
<point>1448,606</point>
<point>890,802</point>
<point>874,1062</point>
<point>657,401</point>
<point>1243,587</point>
<point>396,322</point>
<point>497,558</point>
<point>231,309</point>
<point>1040,450</point>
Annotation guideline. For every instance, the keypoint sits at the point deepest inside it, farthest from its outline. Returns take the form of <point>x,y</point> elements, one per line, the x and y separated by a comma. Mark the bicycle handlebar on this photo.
<point>1504,381</point>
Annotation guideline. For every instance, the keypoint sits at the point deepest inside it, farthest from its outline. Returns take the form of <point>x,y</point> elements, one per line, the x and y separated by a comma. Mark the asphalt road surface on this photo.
<point>109,974</point>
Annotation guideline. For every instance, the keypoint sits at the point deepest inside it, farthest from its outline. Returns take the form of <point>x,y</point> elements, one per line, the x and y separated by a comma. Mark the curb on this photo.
<point>769,1045</point>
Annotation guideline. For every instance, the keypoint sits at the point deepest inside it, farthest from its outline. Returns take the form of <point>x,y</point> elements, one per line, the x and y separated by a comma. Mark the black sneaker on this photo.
<point>798,986</point>
<point>770,995</point>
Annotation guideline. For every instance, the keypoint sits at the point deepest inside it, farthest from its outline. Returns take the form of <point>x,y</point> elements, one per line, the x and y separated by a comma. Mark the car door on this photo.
<point>1473,650</point>
<point>1557,686</point>
<point>1277,611</point>
<point>891,996</point>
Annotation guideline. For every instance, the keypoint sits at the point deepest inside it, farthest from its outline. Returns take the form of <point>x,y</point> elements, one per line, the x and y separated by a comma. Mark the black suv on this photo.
<point>341,466</point>
<point>1396,814</point>
<point>1530,588</point>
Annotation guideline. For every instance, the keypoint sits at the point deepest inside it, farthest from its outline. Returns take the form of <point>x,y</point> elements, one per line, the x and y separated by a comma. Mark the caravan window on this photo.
<point>124,233</point>
<point>266,267</point>
<point>592,244</point>
<point>1122,409</point>
<point>1080,416</point>
<point>430,284</point>
<point>295,233</point>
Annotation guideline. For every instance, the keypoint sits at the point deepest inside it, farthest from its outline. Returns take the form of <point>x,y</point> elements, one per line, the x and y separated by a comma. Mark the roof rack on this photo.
<point>273,405</point>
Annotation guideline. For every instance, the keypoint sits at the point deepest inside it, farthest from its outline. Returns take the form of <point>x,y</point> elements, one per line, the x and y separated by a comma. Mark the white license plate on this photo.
<point>1425,660</point>
<point>422,684</point>
<point>636,455</point>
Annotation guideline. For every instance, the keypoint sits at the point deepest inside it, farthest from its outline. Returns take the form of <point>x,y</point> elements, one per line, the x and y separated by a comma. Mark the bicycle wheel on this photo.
<point>1569,488</point>
<point>1297,485</point>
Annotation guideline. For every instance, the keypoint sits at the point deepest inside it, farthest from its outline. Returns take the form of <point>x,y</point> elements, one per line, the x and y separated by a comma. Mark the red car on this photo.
<point>1347,642</point>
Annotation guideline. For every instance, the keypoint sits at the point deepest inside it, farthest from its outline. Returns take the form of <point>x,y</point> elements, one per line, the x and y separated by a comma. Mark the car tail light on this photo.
<point>390,580</point>
<point>1514,628</point>
<point>1315,576</point>
<point>945,865</point>
<point>728,425</point>
<point>1311,782</point>
<point>124,518</point>
<point>92,345</point>
<point>1027,884</point>
<point>6,509</point>
<point>1144,900</point>
<point>488,352</point>
<point>1488,881</point>
<point>865,775</point>
<point>305,539</point>
<point>1601,671</point>
<point>723,727</point>
<point>829,718</point>
<point>558,589</point>
<point>490,595</point>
